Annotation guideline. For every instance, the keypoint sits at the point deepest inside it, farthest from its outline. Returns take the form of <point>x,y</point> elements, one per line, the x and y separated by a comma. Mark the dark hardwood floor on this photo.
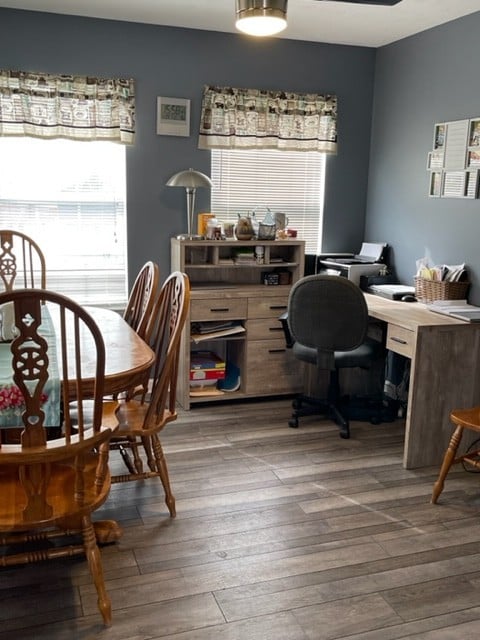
<point>281,534</point>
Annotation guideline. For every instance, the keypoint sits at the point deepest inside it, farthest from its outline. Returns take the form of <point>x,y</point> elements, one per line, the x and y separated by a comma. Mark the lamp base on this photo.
<point>189,236</point>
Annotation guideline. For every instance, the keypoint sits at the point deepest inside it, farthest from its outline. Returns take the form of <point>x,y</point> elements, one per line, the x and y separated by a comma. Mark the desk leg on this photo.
<point>445,375</point>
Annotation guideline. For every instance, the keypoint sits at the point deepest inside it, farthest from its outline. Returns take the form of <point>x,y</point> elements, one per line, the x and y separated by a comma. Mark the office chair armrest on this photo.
<point>288,336</point>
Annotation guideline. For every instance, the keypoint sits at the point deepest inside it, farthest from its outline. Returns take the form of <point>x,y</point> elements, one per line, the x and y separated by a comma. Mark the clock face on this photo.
<point>174,112</point>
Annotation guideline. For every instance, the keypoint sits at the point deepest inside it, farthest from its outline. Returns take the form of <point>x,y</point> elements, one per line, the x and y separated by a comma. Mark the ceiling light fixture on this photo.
<point>261,17</point>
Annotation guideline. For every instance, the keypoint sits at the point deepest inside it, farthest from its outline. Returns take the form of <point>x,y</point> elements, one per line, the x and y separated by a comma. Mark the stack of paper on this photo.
<point>391,291</point>
<point>456,309</point>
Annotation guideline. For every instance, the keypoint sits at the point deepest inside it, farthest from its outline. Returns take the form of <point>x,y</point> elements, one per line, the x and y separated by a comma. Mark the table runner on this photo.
<point>12,403</point>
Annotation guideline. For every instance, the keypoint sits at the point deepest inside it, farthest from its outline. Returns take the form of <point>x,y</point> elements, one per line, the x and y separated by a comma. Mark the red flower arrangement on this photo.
<point>11,398</point>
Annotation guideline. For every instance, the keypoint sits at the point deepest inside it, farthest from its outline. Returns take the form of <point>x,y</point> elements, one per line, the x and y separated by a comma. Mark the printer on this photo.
<point>369,262</point>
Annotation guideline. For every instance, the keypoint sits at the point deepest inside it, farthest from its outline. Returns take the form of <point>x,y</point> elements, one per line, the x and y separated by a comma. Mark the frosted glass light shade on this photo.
<point>261,17</point>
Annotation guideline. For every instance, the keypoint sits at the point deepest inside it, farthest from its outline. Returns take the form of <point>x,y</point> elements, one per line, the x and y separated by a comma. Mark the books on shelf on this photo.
<point>209,375</point>
<point>205,359</point>
<point>244,256</point>
<point>206,366</point>
<point>203,333</point>
<point>209,327</point>
<point>459,309</point>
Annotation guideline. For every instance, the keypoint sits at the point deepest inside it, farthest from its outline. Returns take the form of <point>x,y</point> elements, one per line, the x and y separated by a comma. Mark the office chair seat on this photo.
<point>327,318</point>
<point>359,357</point>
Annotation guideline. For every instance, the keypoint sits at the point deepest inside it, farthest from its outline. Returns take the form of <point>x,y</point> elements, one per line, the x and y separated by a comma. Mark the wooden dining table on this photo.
<point>127,356</point>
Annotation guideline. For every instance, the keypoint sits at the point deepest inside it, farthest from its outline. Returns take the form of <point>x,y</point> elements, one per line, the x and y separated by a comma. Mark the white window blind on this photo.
<point>69,196</point>
<point>288,181</point>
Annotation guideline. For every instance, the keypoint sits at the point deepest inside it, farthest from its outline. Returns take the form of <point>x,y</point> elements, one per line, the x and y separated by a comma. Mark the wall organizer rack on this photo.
<point>454,161</point>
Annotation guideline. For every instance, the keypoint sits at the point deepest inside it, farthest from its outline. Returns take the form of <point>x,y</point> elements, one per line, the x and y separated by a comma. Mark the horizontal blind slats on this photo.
<point>70,197</point>
<point>291,182</point>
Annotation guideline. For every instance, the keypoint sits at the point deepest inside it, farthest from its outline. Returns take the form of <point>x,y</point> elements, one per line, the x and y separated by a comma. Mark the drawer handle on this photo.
<point>275,329</point>
<point>278,307</point>
<point>276,351</point>
<point>220,310</point>
<point>399,340</point>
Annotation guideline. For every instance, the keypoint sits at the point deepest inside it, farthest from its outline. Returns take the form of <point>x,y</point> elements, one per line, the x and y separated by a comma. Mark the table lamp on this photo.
<point>190,180</point>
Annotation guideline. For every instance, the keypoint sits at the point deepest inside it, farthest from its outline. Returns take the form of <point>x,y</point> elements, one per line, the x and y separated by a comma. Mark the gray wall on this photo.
<point>177,63</point>
<point>428,78</point>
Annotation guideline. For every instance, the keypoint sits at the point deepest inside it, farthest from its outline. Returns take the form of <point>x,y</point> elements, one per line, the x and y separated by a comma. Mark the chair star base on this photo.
<point>369,409</point>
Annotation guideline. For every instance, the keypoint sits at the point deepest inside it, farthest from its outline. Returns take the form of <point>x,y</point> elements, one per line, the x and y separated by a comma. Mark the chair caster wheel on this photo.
<point>293,422</point>
<point>345,433</point>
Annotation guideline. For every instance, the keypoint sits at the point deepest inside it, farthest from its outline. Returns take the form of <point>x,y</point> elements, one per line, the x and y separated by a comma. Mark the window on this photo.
<point>288,181</point>
<point>69,196</point>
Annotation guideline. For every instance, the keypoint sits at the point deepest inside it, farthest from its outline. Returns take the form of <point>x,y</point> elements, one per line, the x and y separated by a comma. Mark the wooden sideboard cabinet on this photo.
<point>226,286</point>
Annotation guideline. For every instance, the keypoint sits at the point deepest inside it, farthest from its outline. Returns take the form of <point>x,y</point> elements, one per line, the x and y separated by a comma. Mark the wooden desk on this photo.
<point>444,375</point>
<point>127,356</point>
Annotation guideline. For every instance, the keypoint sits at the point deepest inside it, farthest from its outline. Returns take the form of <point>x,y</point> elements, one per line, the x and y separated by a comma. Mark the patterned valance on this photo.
<point>63,106</point>
<point>251,118</point>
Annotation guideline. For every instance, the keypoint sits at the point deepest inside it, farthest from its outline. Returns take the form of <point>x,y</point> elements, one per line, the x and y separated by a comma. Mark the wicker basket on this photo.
<point>430,290</point>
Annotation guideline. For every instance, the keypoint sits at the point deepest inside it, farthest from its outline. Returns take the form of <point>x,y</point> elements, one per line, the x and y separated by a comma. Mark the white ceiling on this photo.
<point>312,20</point>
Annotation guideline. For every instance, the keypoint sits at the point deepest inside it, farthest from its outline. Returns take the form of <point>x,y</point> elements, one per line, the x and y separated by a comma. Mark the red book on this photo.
<point>207,374</point>
<point>205,360</point>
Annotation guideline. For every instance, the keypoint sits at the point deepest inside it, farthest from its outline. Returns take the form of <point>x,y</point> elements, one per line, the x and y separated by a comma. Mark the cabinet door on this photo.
<point>272,368</point>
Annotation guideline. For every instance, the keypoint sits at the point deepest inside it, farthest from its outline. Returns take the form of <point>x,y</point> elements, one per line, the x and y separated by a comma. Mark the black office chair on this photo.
<point>327,320</point>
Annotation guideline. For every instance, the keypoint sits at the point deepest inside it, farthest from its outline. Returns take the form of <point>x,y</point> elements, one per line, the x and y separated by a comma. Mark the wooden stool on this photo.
<point>462,419</point>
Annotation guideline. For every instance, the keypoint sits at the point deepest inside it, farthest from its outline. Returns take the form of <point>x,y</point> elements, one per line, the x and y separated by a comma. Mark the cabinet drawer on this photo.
<point>227,309</point>
<point>400,340</point>
<point>264,329</point>
<point>272,368</point>
<point>267,307</point>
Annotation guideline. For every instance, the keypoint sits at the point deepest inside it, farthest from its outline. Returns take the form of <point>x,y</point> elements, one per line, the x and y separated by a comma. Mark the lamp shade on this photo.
<point>261,17</point>
<point>190,178</point>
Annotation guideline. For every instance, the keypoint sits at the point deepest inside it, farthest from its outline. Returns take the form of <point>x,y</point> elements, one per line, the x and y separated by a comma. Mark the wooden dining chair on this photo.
<point>142,298</point>
<point>57,475</point>
<point>142,418</point>
<point>22,263</point>
<point>462,419</point>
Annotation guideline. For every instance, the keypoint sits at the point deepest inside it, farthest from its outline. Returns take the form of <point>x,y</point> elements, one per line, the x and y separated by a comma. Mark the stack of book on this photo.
<point>245,256</point>
<point>204,331</point>
<point>206,369</point>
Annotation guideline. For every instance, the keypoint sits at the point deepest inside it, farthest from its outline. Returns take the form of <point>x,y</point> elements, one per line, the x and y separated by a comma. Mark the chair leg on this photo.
<point>307,406</point>
<point>448,461</point>
<point>124,452</point>
<point>341,421</point>
<point>334,401</point>
<point>163,473</point>
<point>147,445</point>
<point>137,460</point>
<point>94,559</point>
<point>329,408</point>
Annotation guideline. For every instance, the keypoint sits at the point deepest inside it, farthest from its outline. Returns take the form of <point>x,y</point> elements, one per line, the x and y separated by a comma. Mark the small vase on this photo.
<point>244,228</point>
